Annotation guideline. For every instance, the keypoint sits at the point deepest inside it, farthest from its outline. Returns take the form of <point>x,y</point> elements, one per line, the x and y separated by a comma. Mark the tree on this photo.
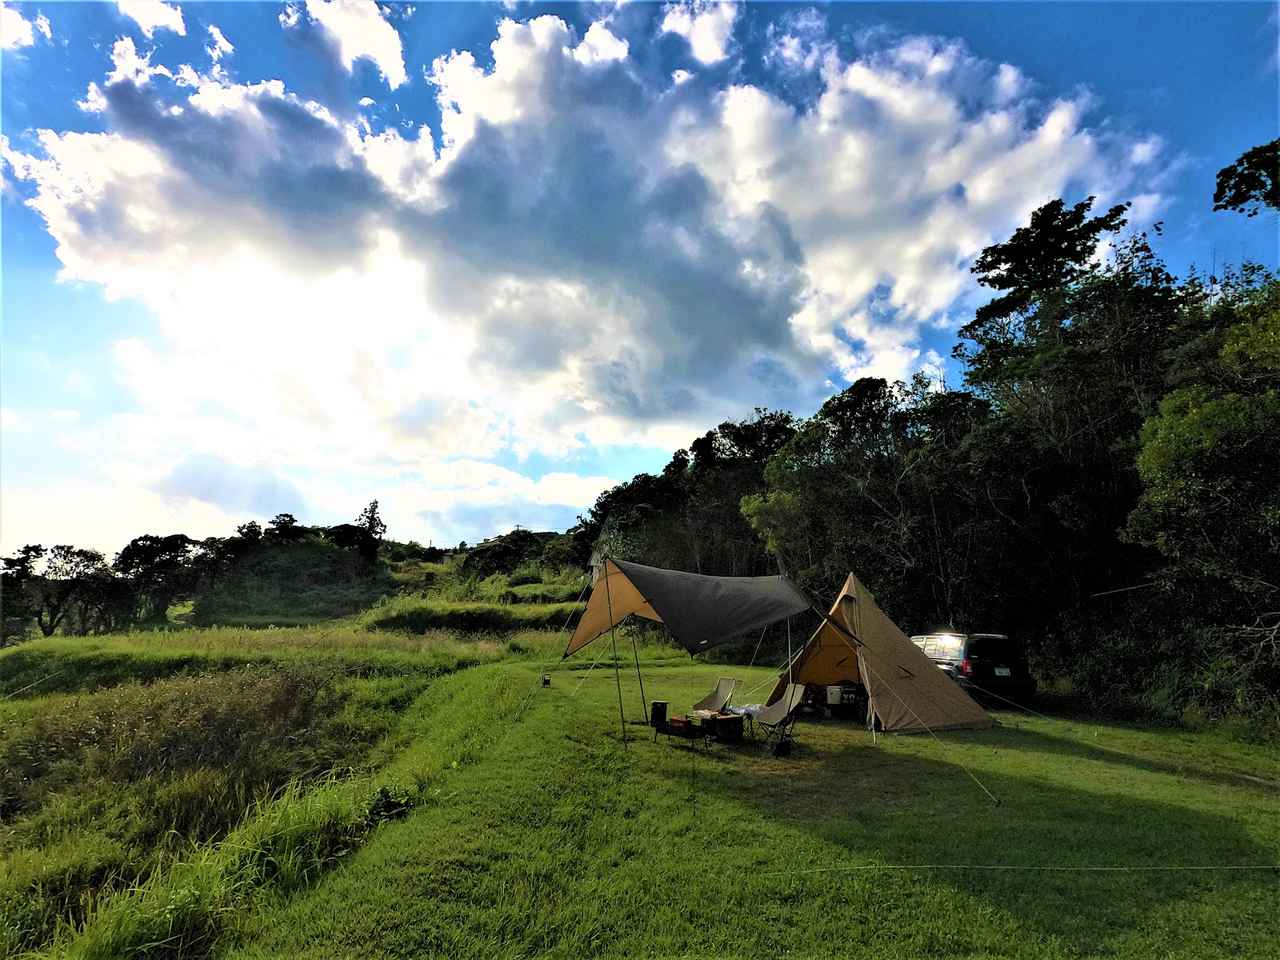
<point>1048,254</point>
<point>17,602</point>
<point>1251,183</point>
<point>249,531</point>
<point>284,528</point>
<point>371,521</point>
<point>65,577</point>
<point>160,569</point>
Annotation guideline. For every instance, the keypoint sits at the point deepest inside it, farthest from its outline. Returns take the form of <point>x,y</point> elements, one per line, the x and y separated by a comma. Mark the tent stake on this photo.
<point>613,638</point>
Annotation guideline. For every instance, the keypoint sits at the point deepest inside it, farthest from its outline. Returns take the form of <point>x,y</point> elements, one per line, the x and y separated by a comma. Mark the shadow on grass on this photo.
<point>1038,742</point>
<point>870,806</point>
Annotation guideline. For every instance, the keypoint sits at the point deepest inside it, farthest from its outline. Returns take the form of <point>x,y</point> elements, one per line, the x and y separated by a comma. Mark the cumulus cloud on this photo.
<point>707,26</point>
<point>600,46</point>
<point>359,30</point>
<point>16,31</point>
<point>570,259</point>
<point>153,15</point>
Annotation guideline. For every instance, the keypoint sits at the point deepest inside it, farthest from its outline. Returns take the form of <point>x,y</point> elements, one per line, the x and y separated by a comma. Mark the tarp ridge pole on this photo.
<point>613,638</point>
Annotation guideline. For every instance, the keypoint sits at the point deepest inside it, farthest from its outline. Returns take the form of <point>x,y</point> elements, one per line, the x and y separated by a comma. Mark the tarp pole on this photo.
<point>789,680</point>
<point>644,704</point>
<point>613,637</point>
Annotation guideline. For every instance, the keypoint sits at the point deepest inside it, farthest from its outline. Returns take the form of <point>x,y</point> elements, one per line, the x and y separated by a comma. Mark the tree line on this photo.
<point>73,590</point>
<point>1105,484</point>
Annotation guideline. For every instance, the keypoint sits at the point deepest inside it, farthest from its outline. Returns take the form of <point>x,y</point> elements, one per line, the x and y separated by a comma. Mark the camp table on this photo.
<point>718,725</point>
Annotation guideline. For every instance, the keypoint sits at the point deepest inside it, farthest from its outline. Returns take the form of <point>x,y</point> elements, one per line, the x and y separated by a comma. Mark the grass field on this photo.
<point>512,822</point>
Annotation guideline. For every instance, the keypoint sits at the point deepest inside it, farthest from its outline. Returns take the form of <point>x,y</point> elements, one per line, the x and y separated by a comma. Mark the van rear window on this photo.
<point>944,645</point>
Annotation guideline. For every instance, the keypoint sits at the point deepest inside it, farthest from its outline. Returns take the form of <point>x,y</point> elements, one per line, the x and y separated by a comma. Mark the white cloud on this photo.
<point>94,101</point>
<point>219,46</point>
<point>797,42</point>
<point>127,65</point>
<point>16,31</point>
<point>600,46</point>
<point>73,512</point>
<point>571,260</point>
<point>707,26</point>
<point>360,31</point>
<point>153,15</point>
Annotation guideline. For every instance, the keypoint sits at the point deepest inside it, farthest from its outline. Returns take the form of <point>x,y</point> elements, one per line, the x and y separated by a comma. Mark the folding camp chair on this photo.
<point>777,719</point>
<point>718,698</point>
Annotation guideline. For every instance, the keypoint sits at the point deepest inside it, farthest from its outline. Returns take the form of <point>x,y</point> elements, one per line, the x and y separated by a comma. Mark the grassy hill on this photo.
<point>423,795</point>
<point>290,584</point>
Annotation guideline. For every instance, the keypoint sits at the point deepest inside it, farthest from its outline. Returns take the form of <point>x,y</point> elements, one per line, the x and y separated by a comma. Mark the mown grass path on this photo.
<point>550,839</point>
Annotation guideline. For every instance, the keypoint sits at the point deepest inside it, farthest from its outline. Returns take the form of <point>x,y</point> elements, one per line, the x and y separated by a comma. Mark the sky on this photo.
<point>482,261</point>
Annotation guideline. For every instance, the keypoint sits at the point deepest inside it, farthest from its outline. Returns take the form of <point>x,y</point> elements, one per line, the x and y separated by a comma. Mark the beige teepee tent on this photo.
<point>907,693</point>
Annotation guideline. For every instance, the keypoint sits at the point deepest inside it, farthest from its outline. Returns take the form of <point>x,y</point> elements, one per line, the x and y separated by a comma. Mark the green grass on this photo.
<point>490,817</point>
<point>553,840</point>
<point>59,663</point>
<point>419,614</point>
<point>544,593</point>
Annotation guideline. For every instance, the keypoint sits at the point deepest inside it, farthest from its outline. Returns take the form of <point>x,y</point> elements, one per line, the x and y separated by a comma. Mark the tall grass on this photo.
<point>60,663</point>
<point>285,843</point>
<point>419,614</point>
<point>293,836</point>
<point>100,791</point>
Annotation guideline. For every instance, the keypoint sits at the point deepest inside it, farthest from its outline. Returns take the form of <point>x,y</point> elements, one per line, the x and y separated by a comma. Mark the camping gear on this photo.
<point>727,727</point>
<point>717,699</point>
<point>699,611</point>
<point>658,713</point>
<point>858,643</point>
<point>779,717</point>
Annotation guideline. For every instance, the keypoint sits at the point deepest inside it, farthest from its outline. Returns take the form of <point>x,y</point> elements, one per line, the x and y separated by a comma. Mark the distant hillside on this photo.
<point>286,583</point>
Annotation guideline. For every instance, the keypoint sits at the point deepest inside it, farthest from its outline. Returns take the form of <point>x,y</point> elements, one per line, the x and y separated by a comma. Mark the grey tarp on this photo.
<point>700,611</point>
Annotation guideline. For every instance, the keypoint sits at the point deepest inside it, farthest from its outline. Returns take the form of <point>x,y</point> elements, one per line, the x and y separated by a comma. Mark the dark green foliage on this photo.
<point>296,582</point>
<point>160,570</point>
<point>17,599</point>
<point>1045,256</point>
<point>688,517</point>
<point>395,552</point>
<point>1252,182</point>
<point>505,553</point>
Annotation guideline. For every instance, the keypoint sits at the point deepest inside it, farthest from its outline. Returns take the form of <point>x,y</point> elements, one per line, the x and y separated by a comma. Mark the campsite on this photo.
<point>475,795</point>
<point>698,480</point>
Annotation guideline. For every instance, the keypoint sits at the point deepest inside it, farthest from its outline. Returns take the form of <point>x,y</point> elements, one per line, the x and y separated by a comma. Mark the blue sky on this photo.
<point>482,261</point>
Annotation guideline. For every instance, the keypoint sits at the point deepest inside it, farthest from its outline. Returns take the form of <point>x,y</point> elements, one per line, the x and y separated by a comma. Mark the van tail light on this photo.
<point>966,667</point>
